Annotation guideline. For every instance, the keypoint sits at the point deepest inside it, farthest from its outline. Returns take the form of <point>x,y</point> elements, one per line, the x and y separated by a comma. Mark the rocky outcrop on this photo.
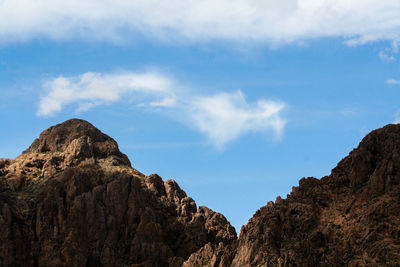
<point>349,218</point>
<point>73,199</point>
<point>76,142</point>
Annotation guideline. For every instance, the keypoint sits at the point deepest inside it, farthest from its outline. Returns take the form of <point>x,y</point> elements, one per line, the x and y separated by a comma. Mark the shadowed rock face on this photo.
<point>349,218</point>
<point>72,199</point>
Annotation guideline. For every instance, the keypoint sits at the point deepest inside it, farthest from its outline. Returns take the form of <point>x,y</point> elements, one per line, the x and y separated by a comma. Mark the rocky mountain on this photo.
<point>73,199</point>
<point>349,218</point>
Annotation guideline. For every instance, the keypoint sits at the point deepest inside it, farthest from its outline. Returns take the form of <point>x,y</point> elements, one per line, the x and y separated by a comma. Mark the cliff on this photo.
<point>349,218</point>
<point>73,199</point>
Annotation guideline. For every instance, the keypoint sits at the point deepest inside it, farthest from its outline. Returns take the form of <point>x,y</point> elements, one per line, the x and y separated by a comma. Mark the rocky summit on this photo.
<point>349,218</point>
<point>73,199</point>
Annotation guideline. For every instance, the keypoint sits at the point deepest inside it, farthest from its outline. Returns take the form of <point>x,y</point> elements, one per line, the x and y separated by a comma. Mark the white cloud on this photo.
<point>384,55</point>
<point>357,21</point>
<point>389,54</point>
<point>166,102</point>
<point>392,82</point>
<point>222,117</point>
<point>90,89</point>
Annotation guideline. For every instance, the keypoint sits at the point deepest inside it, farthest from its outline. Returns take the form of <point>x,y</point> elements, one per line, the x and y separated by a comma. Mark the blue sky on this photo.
<point>236,100</point>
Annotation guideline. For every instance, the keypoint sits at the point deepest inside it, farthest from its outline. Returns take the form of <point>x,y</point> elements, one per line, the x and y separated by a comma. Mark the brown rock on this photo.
<point>78,140</point>
<point>350,218</point>
<point>72,199</point>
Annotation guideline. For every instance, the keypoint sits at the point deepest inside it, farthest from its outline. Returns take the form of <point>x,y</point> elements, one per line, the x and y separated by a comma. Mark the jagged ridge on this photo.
<point>349,218</point>
<point>72,199</point>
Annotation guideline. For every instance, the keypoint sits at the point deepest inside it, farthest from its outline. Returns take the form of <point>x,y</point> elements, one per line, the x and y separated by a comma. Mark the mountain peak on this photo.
<point>72,200</point>
<point>383,140</point>
<point>57,138</point>
<point>77,140</point>
<point>374,162</point>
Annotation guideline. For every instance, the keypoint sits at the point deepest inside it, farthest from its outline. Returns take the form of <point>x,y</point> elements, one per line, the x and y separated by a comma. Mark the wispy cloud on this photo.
<point>392,82</point>
<point>389,54</point>
<point>349,111</point>
<point>222,117</point>
<point>397,117</point>
<point>160,146</point>
<point>385,55</point>
<point>357,21</point>
<point>91,89</point>
<point>166,102</point>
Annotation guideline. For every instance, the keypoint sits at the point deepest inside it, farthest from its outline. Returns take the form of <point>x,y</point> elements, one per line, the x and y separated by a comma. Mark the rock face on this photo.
<point>73,199</point>
<point>349,218</point>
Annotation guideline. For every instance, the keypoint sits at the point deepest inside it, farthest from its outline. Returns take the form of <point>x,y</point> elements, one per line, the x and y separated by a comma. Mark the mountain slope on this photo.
<point>351,217</point>
<point>73,199</point>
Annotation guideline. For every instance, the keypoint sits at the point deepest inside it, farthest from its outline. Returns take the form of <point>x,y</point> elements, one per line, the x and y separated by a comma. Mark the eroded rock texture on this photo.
<point>349,218</point>
<point>73,199</point>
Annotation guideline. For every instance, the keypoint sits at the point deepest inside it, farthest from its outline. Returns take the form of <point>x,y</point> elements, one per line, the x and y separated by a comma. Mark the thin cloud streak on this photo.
<point>222,117</point>
<point>397,117</point>
<point>270,21</point>
<point>160,146</point>
<point>392,82</point>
